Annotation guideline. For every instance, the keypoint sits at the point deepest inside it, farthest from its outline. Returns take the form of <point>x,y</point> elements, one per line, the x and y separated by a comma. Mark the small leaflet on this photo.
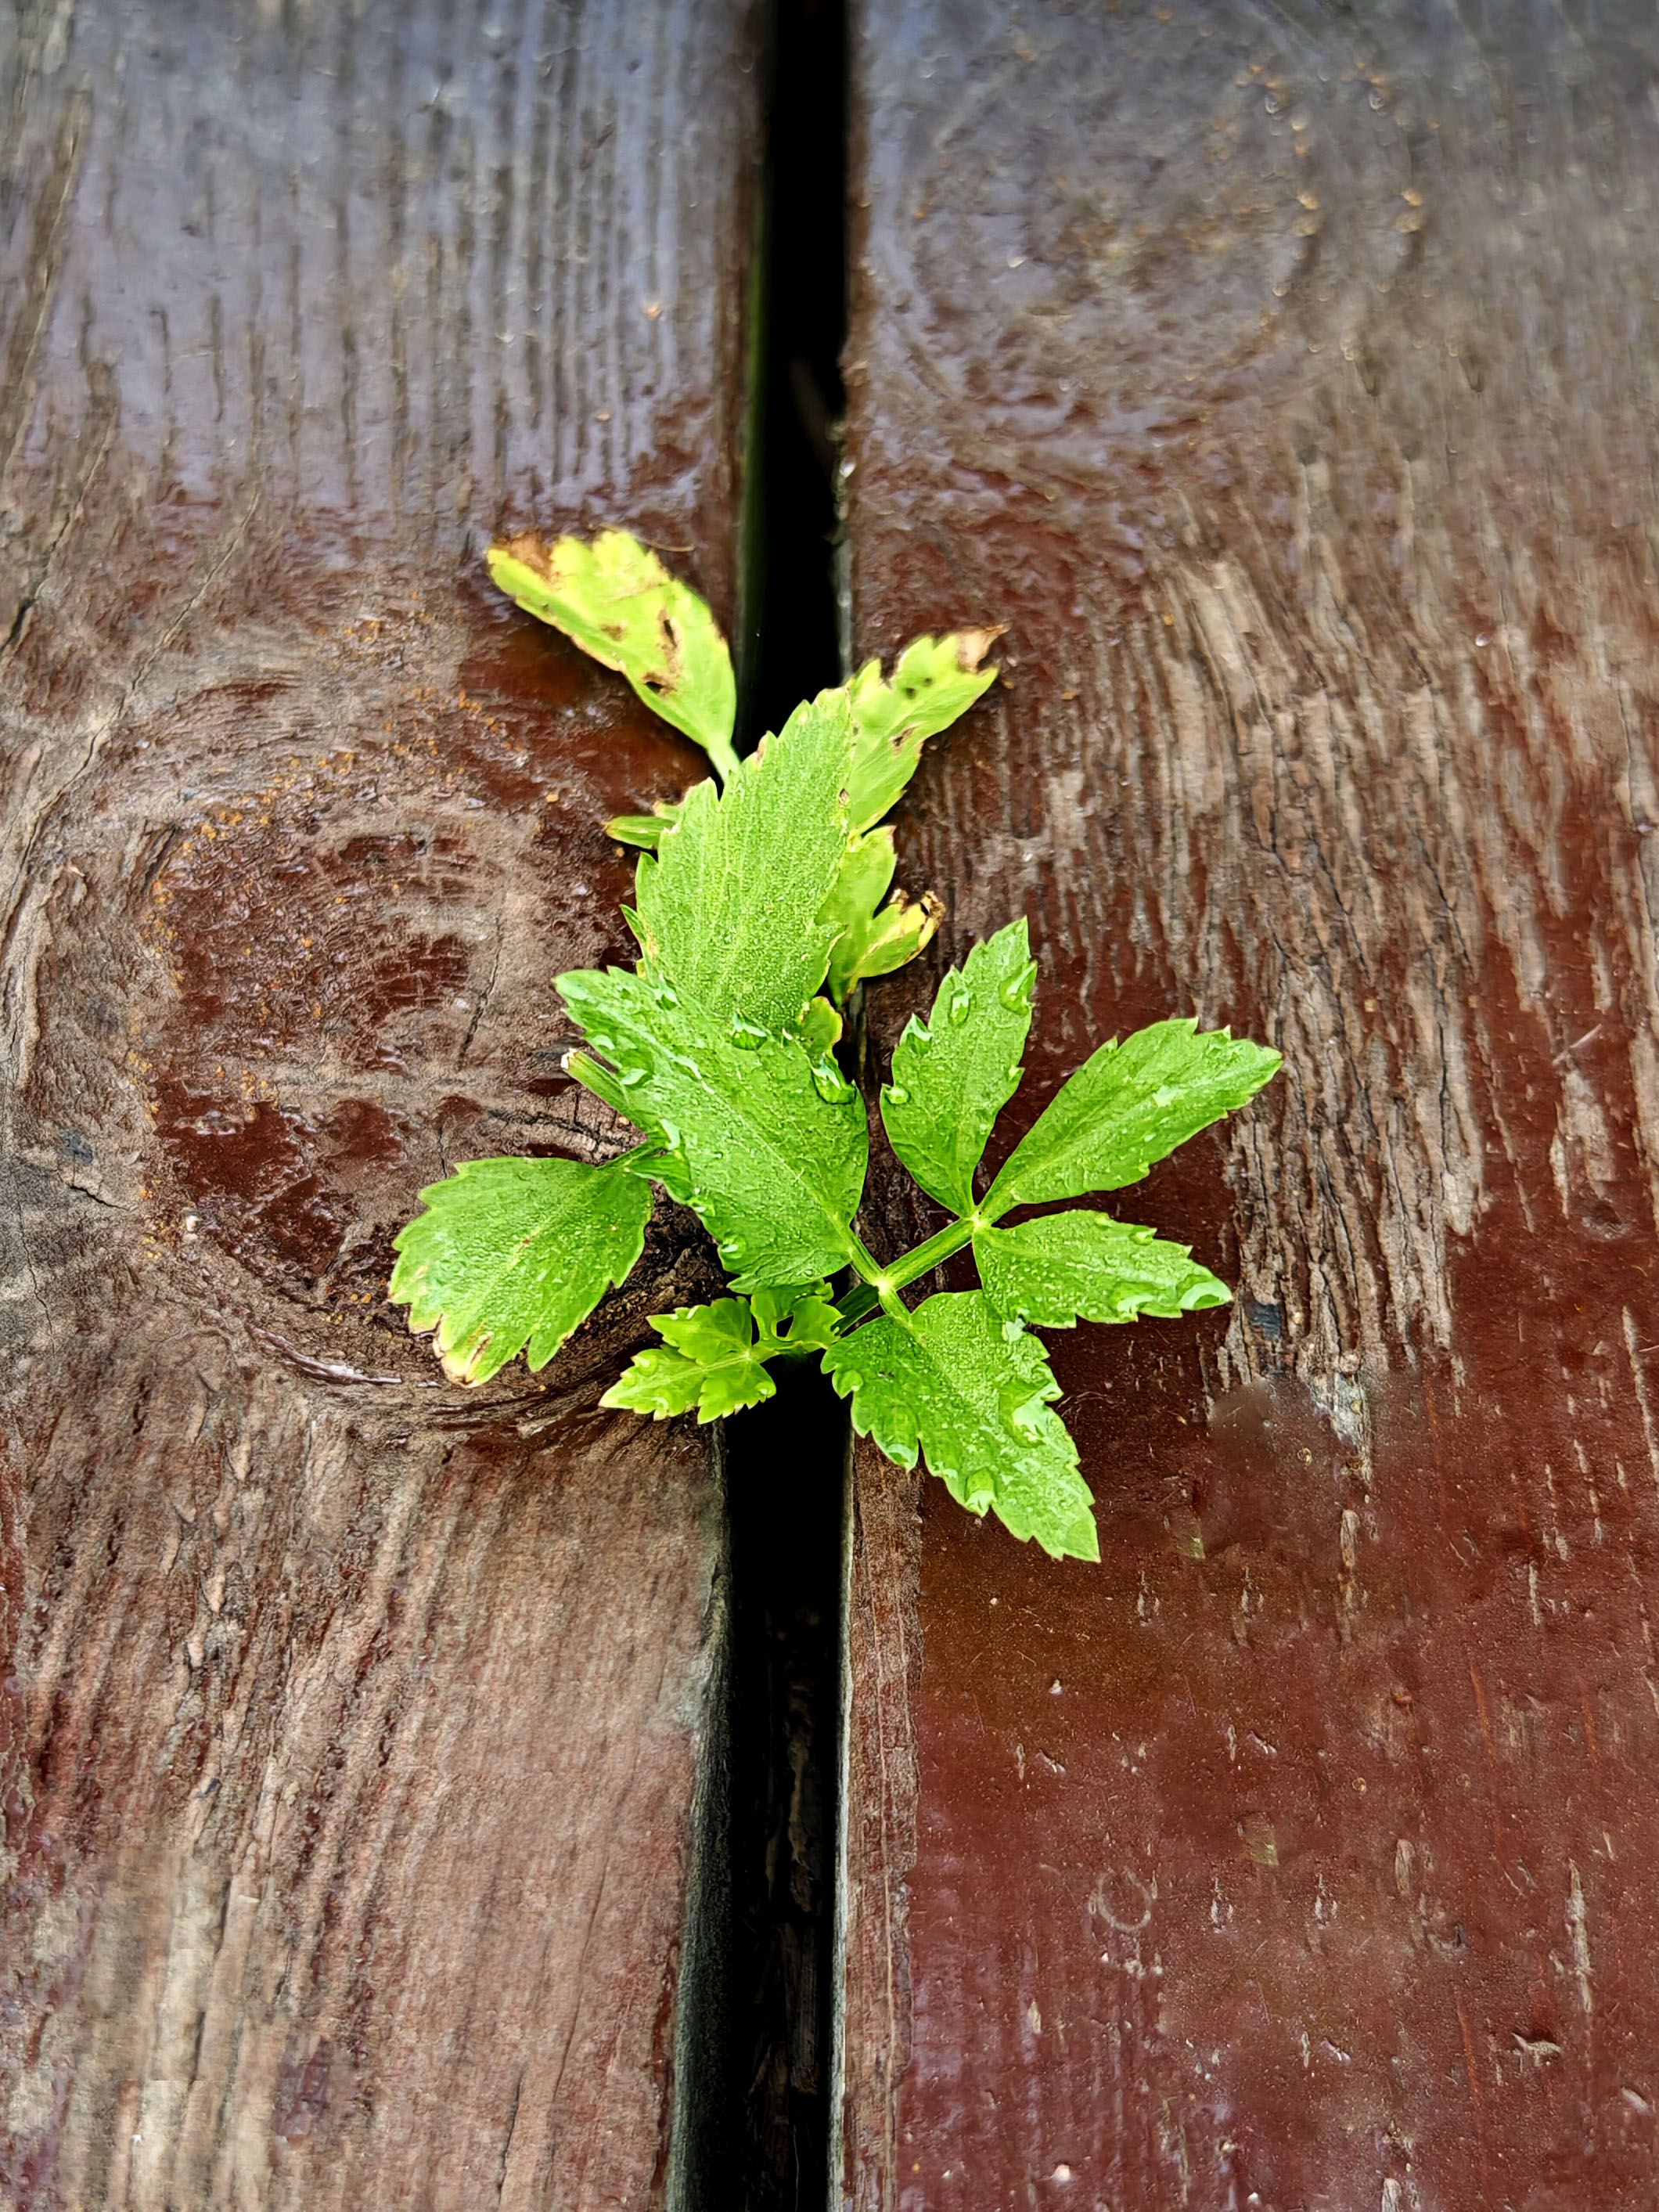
<point>729,909</point>
<point>1075,1266</point>
<point>936,680</point>
<point>615,600</point>
<point>868,942</point>
<point>716,1355</point>
<point>819,1029</point>
<point>974,1395</point>
<point>768,1146</point>
<point>643,831</point>
<point>511,1254</point>
<point>954,1073</point>
<point>1128,1106</point>
<point>904,928</point>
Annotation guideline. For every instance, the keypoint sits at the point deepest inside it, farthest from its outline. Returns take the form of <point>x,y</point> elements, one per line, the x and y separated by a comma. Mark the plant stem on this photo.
<point>867,1265</point>
<point>934,1253</point>
<point>881,1286</point>
<point>859,1302</point>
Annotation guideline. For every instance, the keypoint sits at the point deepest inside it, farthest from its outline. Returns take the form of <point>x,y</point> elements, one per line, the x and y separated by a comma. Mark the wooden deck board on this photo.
<point>1284,381</point>
<point>353,1721</point>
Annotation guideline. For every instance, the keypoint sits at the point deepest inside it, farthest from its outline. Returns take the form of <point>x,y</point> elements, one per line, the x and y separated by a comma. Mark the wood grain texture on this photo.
<point>1284,378</point>
<point>352,1723</point>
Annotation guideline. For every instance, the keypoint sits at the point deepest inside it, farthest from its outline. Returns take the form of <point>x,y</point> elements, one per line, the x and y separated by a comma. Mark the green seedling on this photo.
<point>758,910</point>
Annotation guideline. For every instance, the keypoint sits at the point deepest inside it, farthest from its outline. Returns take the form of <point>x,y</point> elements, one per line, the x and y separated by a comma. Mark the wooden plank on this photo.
<point>354,1721</point>
<point>1284,380</point>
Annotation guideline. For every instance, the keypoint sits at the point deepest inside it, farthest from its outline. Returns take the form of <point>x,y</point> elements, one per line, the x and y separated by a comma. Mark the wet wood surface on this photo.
<point>351,1723</point>
<point>1284,378</point>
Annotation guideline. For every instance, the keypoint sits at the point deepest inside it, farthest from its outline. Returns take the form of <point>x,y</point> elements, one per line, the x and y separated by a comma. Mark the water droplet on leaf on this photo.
<point>961,1006</point>
<point>897,1095</point>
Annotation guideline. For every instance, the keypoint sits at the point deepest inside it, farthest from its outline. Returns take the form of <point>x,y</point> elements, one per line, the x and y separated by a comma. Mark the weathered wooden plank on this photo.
<point>1284,380</point>
<point>354,1721</point>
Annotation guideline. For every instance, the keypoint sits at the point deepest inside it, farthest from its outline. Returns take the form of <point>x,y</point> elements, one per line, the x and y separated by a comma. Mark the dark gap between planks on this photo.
<point>787,1459</point>
<point>763,2136</point>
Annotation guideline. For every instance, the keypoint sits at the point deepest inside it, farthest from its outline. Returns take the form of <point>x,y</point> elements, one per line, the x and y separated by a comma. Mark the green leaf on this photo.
<point>819,1029</point>
<point>717,1362</point>
<point>801,1319</point>
<point>954,1073</point>
<point>975,1396</point>
<point>645,830</point>
<point>729,908</point>
<point>868,943</point>
<point>1127,1106</point>
<point>513,1254</point>
<point>1063,1265</point>
<point>936,680</point>
<point>861,881</point>
<point>768,1146</point>
<point>615,599</point>
<point>714,1364</point>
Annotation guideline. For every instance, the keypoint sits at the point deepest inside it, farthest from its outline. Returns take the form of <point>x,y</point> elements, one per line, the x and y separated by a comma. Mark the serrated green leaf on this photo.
<point>974,1395</point>
<point>729,908</point>
<point>1064,1266</point>
<point>766,1145</point>
<point>615,600</point>
<point>802,1319</point>
<point>718,1353</point>
<point>1128,1106</point>
<point>868,942</point>
<point>953,1074</point>
<point>936,680</point>
<point>662,1383</point>
<point>511,1254</point>
<point>709,1335</point>
<point>712,1363</point>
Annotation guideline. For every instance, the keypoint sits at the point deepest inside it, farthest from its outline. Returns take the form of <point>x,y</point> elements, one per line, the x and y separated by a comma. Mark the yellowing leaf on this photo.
<point>644,830</point>
<point>936,680</point>
<point>888,940</point>
<point>869,942</point>
<point>615,600</point>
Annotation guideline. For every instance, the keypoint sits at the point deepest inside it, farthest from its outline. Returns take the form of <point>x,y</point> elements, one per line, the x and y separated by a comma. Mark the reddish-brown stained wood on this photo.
<point>352,1722</point>
<point>1284,380</point>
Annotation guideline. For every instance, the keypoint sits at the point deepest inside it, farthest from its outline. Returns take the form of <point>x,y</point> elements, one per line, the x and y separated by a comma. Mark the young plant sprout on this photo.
<point>760,904</point>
